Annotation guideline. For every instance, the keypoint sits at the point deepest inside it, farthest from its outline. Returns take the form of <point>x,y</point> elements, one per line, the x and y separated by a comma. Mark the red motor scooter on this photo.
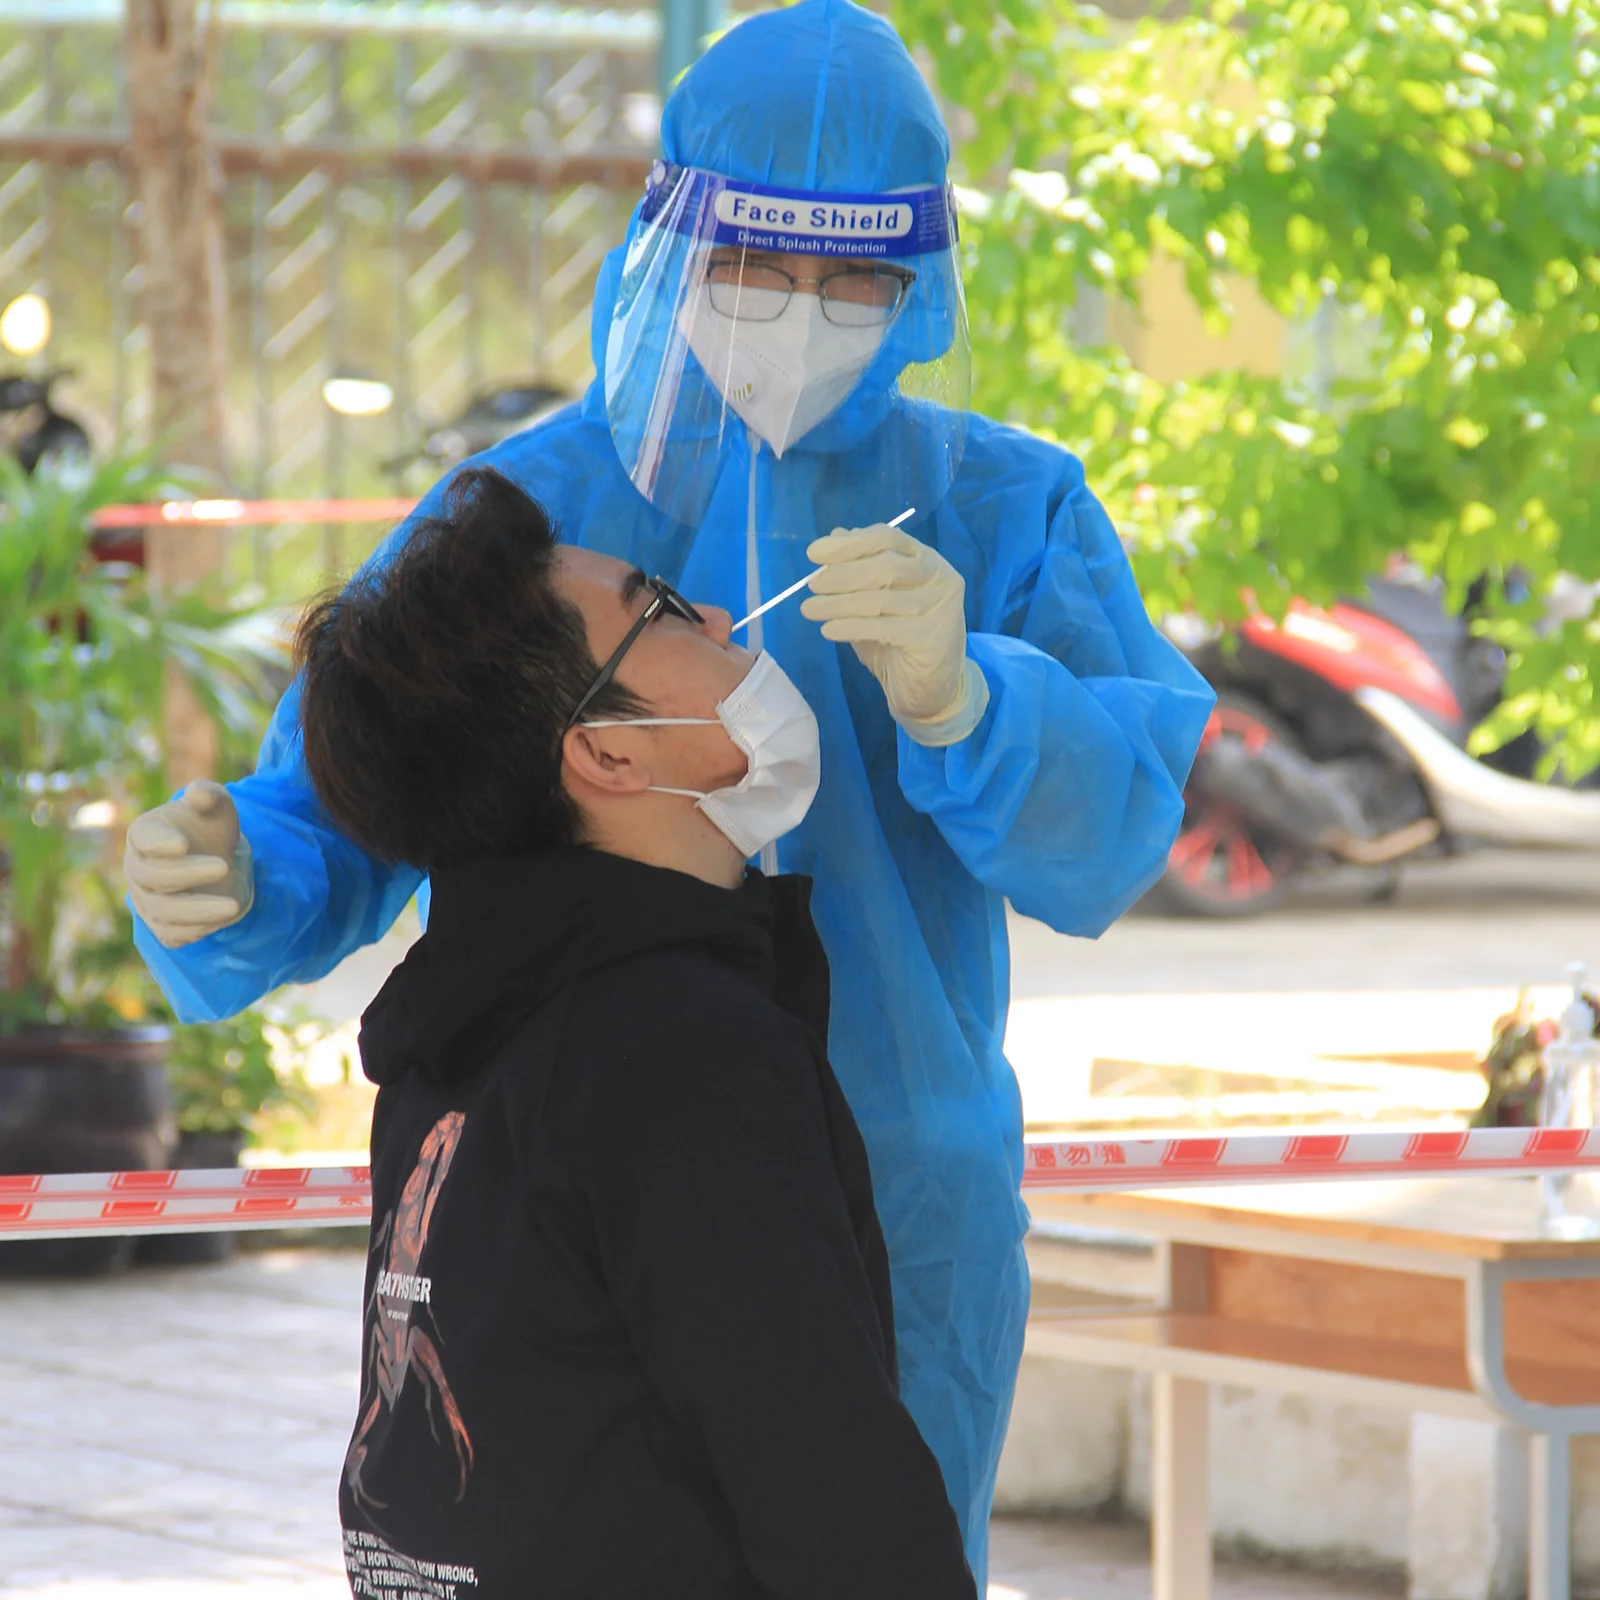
<point>1339,738</point>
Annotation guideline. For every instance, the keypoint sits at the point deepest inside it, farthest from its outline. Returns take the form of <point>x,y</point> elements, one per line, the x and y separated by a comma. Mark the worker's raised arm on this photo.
<point>313,895</point>
<point>1067,793</point>
<point>288,908</point>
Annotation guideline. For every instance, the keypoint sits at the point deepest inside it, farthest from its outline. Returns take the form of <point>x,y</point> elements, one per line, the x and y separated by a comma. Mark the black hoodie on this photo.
<point>628,1328</point>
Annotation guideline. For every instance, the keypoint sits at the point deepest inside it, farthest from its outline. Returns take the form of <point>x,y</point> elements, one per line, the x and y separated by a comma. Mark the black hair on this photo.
<point>435,690</point>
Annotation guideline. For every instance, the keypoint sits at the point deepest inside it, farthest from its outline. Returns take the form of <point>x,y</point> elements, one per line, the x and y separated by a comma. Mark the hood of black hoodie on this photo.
<point>506,933</point>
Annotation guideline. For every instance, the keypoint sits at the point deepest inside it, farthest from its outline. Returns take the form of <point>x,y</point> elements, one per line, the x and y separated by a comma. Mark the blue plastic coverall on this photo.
<point>1064,800</point>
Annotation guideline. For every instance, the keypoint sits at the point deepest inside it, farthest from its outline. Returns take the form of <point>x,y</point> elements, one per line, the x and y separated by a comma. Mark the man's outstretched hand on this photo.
<point>188,865</point>
<point>899,604</point>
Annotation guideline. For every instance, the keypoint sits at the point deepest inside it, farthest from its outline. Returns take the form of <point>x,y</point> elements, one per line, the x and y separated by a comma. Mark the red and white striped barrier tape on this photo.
<point>82,1205</point>
<point>234,513</point>
<point>1099,1165</point>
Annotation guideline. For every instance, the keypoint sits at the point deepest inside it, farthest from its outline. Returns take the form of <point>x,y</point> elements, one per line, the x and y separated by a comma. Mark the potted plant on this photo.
<point>84,651</point>
<point>222,1076</point>
<point>1514,1067</point>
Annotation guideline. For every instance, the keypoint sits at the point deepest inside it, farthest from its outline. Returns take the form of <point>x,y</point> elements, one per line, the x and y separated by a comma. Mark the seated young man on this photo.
<point>628,1328</point>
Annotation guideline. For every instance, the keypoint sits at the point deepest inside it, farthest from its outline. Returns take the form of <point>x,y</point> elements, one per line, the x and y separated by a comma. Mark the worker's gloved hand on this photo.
<point>188,866</point>
<point>898,602</point>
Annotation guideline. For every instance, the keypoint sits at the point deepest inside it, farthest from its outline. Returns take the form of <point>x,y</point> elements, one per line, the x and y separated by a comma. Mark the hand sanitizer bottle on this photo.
<point>1571,1064</point>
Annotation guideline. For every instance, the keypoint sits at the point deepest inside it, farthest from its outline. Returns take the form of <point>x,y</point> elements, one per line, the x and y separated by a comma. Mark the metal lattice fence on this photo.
<point>416,193</point>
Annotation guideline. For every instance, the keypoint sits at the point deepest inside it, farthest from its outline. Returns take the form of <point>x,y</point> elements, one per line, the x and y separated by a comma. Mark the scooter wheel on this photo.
<point>1222,865</point>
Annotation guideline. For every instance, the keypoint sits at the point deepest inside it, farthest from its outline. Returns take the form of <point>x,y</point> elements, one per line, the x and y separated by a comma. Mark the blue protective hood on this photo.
<point>838,104</point>
<point>839,107</point>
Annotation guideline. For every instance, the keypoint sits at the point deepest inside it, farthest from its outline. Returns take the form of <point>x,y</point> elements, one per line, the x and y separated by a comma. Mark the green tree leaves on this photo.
<point>1431,172</point>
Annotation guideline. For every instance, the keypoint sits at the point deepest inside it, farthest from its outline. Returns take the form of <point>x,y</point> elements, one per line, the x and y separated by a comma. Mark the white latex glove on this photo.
<point>898,603</point>
<point>188,866</point>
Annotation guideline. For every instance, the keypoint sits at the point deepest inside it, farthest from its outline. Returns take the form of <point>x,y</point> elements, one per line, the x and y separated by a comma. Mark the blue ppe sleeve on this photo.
<point>317,895</point>
<point>1067,796</point>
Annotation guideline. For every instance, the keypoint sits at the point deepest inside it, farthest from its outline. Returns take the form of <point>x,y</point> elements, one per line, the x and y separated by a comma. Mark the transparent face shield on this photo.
<point>829,331</point>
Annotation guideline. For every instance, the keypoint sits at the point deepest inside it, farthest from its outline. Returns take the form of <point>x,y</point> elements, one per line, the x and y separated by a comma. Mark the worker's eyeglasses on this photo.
<point>666,599</point>
<point>852,297</point>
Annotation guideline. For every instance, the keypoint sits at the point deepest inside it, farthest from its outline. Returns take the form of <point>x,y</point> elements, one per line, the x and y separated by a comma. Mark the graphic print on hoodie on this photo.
<point>398,1313</point>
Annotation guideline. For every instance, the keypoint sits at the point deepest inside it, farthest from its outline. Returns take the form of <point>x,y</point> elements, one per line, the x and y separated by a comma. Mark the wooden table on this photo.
<point>1442,1296</point>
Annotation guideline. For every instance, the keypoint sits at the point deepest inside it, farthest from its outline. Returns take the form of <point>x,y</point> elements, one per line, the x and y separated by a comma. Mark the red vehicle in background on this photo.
<point>1339,737</point>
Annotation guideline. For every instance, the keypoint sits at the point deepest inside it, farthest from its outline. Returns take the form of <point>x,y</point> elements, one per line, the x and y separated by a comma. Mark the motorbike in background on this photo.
<point>31,429</point>
<point>37,434</point>
<point>488,417</point>
<point>1339,738</point>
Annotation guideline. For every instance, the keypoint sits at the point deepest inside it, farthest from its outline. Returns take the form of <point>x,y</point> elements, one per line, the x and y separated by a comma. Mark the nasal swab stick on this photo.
<point>795,588</point>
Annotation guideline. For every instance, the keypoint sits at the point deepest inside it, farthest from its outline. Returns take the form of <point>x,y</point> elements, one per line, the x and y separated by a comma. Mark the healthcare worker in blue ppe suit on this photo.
<point>782,352</point>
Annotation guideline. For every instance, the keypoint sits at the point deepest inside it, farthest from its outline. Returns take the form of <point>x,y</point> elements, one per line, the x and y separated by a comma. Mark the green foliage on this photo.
<point>1431,174</point>
<point>223,1075</point>
<point>84,648</point>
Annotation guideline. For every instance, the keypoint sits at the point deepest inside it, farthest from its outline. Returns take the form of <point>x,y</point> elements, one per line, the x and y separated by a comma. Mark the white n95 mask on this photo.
<point>768,719</point>
<point>785,376</point>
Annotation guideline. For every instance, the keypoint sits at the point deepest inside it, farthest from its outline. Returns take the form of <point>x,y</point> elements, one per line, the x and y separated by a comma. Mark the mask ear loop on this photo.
<point>655,722</point>
<point>662,722</point>
<point>647,722</point>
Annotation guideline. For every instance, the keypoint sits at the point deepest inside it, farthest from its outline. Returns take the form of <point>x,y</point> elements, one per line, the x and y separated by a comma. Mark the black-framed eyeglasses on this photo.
<point>666,599</point>
<point>852,297</point>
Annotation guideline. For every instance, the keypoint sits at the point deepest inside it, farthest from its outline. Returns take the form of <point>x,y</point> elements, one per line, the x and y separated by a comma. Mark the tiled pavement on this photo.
<point>176,1434</point>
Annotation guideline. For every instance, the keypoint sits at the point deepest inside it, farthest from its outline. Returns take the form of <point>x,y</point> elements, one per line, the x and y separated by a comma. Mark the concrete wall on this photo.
<point>1321,1482</point>
<point>1068,1447</point>
<point>1289,1473</point>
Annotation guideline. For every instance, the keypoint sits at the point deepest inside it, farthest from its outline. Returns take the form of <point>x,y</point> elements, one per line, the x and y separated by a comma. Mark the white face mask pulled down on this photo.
<point>769,719</point>
<point>782,377</point>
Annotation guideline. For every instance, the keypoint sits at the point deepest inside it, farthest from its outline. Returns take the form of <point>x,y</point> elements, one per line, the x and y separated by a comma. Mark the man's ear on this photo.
<point>596,760</point>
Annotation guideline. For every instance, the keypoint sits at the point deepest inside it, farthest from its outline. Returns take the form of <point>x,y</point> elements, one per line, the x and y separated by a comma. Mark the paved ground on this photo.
<point>177,1434</point>
<point>1498,919</point>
